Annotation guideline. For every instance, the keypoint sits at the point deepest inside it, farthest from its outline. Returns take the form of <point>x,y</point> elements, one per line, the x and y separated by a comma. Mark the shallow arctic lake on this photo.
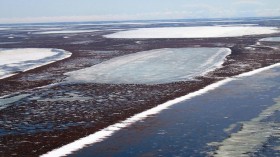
<point>193,32</point>
<point>154,66</point>
<point>240,118</point>
<point>13,61</point>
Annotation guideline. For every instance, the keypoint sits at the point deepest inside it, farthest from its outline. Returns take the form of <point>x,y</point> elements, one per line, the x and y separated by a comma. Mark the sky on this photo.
<point>30,11</point>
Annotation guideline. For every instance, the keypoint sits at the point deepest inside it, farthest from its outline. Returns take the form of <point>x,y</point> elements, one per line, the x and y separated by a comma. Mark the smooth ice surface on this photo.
<point>18,60</point>
<point>66,32</point>
<point>193,32</point>
<point>272,39</point>
<point>153,67</point>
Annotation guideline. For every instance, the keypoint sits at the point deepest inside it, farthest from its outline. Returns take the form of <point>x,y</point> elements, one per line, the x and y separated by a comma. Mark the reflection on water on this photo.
<point>242,109</point>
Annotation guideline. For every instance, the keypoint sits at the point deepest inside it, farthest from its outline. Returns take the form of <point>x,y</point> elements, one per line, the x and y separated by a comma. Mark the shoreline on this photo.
<point>110,130</point>
<point>64,54</point>
<point>123,116</point>
<point>102,111</point>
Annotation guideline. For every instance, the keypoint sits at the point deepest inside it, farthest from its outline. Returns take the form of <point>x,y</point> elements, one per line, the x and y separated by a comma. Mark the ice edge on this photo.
<point>110,130</point>
<point>66,54</point>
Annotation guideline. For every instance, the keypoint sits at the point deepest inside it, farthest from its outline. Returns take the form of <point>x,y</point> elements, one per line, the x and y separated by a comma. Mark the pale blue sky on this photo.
<point>98,10</point>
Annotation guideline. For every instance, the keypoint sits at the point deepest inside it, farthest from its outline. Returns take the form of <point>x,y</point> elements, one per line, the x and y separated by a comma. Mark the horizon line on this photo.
<point>130,20</point>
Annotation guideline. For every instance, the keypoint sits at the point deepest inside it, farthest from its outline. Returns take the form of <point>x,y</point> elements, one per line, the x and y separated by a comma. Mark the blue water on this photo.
<point>186,128</point>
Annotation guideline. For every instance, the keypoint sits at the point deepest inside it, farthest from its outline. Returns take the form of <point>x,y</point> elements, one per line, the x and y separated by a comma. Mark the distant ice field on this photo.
<point>13,61</point>
<point>153,67</point>
<point>194,32</point>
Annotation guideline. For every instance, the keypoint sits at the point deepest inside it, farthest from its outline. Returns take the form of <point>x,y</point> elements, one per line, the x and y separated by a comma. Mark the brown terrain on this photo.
<point>54,115</point>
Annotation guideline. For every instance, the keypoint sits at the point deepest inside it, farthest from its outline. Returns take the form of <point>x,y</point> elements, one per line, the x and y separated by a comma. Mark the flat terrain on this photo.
<point>58,113</point>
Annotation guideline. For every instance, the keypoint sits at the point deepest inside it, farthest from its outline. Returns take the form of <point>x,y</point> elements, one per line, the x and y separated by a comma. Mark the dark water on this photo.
<point>187,127</point>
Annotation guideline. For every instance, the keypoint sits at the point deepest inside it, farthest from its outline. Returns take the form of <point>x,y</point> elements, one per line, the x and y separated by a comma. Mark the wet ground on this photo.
<point>36,120</point>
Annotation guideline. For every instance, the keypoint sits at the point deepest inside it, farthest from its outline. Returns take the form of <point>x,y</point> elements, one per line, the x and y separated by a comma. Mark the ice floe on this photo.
<point>193,32</point>
<point>154,66</point>
<point>13,61</point>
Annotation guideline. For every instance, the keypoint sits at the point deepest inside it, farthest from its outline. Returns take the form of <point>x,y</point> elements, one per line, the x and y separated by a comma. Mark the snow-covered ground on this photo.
<point>272,39</point>
<point>193,32</point>
<point>19,60</point>
<point>153,67</point>
<point>66,32</point>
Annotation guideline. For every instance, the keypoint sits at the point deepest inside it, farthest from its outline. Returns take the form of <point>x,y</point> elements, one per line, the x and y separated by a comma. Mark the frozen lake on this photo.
<point>154,66</point>
<point>13,61</point>
<point>194,32</point>
<point>240,118</point>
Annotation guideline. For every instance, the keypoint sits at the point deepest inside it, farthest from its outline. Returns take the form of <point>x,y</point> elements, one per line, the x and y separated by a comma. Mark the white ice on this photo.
<point>15,60</point>
<point>66,32</point>
<point>193,32</point>
<point>153,67</point>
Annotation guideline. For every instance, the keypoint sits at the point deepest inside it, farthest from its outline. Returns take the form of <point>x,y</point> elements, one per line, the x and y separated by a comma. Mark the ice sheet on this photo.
<point>193,32</point>
<point>153,67</point>
<point>19,60</point>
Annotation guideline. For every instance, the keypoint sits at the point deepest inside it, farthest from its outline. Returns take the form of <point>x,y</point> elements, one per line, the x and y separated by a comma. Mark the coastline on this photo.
<point>110,130</point>
<point>114,110</point>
